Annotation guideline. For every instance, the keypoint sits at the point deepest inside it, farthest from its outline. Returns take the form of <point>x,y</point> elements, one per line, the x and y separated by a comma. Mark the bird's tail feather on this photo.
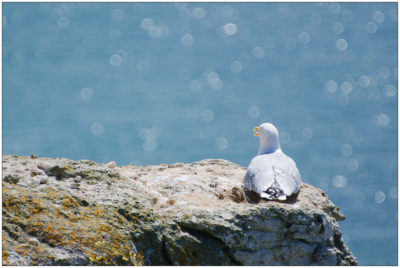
<point>274,192</point>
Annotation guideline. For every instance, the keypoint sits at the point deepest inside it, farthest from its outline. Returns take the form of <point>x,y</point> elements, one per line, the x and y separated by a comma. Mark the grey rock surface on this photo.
<point>60,211</point>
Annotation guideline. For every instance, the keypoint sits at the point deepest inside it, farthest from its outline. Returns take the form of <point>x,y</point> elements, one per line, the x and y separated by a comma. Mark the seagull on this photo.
<point>271,175</point>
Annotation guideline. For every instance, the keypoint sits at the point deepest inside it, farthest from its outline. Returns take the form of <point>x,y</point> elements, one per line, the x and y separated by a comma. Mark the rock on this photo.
<point>111,164</point>
<point>33,241</point>
<point>181,214</point>
<point>14,179</point>
<point>42,179</point>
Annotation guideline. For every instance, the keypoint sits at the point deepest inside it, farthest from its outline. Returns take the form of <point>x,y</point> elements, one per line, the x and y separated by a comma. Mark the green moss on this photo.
<point>35,173</point>
<point>58,172</point>
<point>11,179</point>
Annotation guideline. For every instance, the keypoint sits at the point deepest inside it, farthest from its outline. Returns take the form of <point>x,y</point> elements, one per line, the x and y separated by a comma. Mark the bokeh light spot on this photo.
<point>315,19</point>
<point>122,53</point>
<point>307,133</point>
<point>378,16</point>
<point>258,52</point>
<point>353,164</point>
<point>341,44</point>
<point>115,60</point>
<point>381,119</point>
<point>117,14</point>
<point>207,115</point>
<point>222,143</point>
<point>86,93</point>
<point>199,13</point>
<point>334,8</point>
<point>236,67</point>
<point>253,111</point>
<point>230,29</point>
<point>364,81</point>
<point>346,87</point>
<point>284,137</point>
<point>339,181</point>
<point>390,90</point>
<point>371,27</point>
<point>331,86</point>
<point>187,40</point>
<point>155,32</point>
<point>63,22</point>
<point>218,85</point>
<point>347,15</point>
<point>384,72</point>
<point>337,28</point>
<point>146,23</point>
<point>393,192</point>
<point>227,12</point>
<point>212,78</point>
<point>149,145</point>
<point>379,197</point>
<point>97,128</point>
<point>347,150</point>
<point>180,5</point>
<point>304,38</point>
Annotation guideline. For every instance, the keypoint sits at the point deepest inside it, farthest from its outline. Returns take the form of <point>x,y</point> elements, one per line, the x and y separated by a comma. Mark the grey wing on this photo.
<point>259,175</point>
<point>288,176</point>
<point>248,180</point>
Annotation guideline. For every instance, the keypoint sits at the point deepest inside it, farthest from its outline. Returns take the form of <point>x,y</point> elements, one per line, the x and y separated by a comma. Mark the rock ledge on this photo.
<point>64,212</point>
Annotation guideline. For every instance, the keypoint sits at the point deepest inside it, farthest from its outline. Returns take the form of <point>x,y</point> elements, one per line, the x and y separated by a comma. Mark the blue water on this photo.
<point>150,83</point>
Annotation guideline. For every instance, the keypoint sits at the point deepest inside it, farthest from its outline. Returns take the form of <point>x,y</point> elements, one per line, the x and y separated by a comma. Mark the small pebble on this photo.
<point>74,185</point>
<point>176,165</point>
<point>77,179</point>
<point>36,172</point>
<point>12,179</point>
<point>111,164</point>
<point>33,241</point>
<point>42,179</point>
<point>34,181</point>
<point>44,166</point>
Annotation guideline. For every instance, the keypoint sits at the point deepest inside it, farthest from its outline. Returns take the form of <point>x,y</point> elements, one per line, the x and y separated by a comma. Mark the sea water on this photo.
<point>150,83</point>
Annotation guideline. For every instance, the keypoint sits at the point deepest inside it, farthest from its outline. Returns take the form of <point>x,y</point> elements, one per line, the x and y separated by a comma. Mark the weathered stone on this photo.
<point>181,214</point>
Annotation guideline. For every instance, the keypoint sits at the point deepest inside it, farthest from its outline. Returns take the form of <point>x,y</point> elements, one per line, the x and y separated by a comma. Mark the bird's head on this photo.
<point>269,138</point>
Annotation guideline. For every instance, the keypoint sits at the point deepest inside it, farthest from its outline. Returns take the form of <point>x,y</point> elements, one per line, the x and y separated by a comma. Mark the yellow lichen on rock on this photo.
<point>181,214</point>
<point>84,230</point>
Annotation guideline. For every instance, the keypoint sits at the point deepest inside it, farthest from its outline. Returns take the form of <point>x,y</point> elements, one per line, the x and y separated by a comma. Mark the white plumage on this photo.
<point>271,174</point>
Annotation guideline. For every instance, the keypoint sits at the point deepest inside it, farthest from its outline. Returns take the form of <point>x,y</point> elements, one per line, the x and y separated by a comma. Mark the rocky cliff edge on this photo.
<point>65,212</point>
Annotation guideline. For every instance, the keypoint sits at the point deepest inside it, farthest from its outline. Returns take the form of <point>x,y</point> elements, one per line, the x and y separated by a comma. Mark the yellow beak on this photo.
<point>257,133</point>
